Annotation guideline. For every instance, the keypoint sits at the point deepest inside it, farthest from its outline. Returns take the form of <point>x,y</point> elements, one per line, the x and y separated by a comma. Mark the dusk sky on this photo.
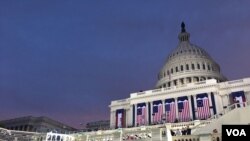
<point>68,59</point>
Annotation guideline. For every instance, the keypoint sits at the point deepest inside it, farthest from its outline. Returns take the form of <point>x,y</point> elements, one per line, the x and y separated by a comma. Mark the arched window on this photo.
<point>192,66</point>
<point>196,79</point>
<point>198,66</point>
<point>175,82</point>
<point>203,66</point>
<point>202,78</point>
<point>169,84</point>
<point>187,67</point>
<point>182,80</point>
<point>208,67</point>
<point>164,85</point>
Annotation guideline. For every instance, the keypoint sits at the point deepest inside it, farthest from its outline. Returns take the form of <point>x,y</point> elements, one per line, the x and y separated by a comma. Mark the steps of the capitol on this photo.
<point>231,115</point>
<point>153,132</point>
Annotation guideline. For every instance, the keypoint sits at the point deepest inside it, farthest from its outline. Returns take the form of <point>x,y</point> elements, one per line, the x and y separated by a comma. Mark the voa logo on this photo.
<point>236,132</point>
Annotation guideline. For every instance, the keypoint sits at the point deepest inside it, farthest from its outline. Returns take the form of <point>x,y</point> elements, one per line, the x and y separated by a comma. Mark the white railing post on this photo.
<point>121,135</point>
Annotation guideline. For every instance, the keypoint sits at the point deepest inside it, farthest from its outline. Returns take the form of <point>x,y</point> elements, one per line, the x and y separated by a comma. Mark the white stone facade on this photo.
<point>221,92</point>
<point>188,73</point>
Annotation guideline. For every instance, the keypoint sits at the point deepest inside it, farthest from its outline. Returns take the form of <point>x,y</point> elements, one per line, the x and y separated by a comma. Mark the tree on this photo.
<point>1,125</point>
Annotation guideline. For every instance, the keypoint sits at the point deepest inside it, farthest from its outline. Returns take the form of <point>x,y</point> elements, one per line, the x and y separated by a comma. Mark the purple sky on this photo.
<point>67,60</point>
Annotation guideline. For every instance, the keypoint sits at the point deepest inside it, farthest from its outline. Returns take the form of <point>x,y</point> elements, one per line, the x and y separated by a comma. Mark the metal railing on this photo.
<point>230,108</point>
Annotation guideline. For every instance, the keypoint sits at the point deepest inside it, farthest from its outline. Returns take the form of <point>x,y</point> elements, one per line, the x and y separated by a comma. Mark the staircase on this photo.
<point>233,114</point>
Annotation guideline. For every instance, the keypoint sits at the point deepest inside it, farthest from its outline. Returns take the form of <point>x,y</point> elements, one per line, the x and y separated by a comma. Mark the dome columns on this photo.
<point>183,81</point>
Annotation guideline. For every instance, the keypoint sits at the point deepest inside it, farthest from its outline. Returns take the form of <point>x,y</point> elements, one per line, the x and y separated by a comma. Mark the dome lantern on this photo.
<point>183,36</point>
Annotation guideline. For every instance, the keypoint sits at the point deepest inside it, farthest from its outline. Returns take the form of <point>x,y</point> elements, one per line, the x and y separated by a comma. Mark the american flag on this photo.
<point>183,109</point>
<point>239,97</point>
<point>119,118</point>
<point>119,122</point>
<point>170,110</point>
<point>141,114</point>
<point>203,108</point>
<point>157,111</point>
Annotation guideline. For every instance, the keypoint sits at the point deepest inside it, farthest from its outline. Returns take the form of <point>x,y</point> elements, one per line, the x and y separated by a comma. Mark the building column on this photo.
<point>151,108</point>
<point>247,95</point>
<point>176,108</point>
<point>210,104</point>
<point>149,113</point>
<point>185,80</point>
<point>190,107</point>
<point>214,102</point>
<point>163,106</point>
<point>222,101</point>
<point>135,115</point>
<point>228,100</point>
<point>217,103</point>
<point>112,119</point>
<point>163,111</point>
<point>172,83</point>
<point>130,116</point>
<point>147,117</point>
<point>177,82</point>
<point>199,78</point>
<point>195,106</point>
<point>126,117</point>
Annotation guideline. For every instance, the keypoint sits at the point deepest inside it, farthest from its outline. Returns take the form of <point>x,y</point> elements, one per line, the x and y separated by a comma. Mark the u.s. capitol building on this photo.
<point>190,87</point>
<point>191,93</point>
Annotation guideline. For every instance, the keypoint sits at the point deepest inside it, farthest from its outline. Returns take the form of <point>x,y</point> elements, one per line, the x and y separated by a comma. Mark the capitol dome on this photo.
<point>188,63</point>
